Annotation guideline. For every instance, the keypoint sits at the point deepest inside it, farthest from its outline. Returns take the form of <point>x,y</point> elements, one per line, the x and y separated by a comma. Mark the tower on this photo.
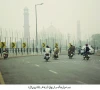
<point>78,34</point>
<point>26,23</point>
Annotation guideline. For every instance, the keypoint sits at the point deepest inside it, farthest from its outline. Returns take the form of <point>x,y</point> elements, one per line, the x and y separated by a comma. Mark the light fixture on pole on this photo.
<point>36,23</point>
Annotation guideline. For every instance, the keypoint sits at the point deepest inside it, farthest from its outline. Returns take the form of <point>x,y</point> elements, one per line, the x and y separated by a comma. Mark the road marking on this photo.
<point>37,65</point>
<point>1,79</point>
<point>55,62</point>
<point>53,71</point>
<point>80,82</point>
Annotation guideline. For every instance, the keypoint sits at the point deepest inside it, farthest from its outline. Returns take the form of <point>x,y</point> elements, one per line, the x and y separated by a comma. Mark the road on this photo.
<point>34,70</point>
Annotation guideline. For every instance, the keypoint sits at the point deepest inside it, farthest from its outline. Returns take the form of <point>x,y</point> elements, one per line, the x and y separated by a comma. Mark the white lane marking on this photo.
<point>55,62</point>
<point>37,65</point>
<point>53,71</point>
<point>80,82</point>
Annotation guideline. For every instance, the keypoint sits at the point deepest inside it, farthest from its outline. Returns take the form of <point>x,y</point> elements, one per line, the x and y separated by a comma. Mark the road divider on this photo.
<point>1,79</point>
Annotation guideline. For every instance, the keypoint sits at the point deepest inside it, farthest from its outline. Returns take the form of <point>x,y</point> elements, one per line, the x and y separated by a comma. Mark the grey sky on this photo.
<point>63,14</point>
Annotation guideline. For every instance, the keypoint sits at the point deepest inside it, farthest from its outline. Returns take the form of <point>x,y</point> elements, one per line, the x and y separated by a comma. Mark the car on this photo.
<point>91,51</point>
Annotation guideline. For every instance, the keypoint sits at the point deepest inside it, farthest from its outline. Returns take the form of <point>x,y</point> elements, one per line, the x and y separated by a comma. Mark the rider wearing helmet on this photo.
<point>86,49</point>
<point>47,50</point>
<point>71,49</point>
<point>56,51</point>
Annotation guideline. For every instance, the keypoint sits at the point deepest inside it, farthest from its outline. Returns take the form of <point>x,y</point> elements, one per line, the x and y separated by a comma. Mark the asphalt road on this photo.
<point>34,70</point>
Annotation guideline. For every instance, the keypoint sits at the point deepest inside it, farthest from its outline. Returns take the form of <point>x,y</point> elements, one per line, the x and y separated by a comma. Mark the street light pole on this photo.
<point>36,23</point>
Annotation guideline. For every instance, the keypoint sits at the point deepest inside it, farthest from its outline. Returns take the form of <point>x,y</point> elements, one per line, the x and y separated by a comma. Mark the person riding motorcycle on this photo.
<point>71,49</point>
<point>47,50</point>
<point>56,51</point>
<point>79,50</point>
<point>5,52</point>
<point>86,49</point>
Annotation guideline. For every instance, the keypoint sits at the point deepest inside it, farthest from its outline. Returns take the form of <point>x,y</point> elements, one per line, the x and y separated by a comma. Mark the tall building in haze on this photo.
<point>26,23</point>
<point>78,33</point>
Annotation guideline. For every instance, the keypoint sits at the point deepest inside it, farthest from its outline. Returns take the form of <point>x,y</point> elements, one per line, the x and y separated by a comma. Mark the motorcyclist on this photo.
<point>5,52</point>
<point>71,49</point>
<point>56,51</point>
<point>79,50</point>
<point>86,49</point>
<point>47,50</point>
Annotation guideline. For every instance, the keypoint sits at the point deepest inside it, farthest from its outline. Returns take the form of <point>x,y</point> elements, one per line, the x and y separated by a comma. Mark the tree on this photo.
<point>95,42</point>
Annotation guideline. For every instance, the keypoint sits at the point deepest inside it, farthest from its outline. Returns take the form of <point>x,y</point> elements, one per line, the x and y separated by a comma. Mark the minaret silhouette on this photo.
<point>78,33</point>
<point>26,23</point>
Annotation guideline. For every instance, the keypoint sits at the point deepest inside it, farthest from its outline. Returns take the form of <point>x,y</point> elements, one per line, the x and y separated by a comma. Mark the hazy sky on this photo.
<point>63,14</point>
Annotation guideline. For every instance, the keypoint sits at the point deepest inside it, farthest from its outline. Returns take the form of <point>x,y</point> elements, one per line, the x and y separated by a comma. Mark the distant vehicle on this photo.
<point>91,51</point>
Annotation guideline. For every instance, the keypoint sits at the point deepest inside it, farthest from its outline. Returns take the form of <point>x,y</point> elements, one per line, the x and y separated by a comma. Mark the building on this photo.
<point>26,23</point>
<point>78,34</point>
<point>50,36</point>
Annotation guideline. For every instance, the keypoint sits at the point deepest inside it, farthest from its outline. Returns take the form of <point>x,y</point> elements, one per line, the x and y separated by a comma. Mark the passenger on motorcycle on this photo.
<point>47,51</point>
<point>56,51</point>
<point>71,49</point>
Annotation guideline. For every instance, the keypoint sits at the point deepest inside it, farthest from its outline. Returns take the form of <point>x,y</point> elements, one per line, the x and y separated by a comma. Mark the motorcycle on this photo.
<point>86,56</point>
<point>47,56</point>
<point>55,56</point>
<point>5,56</point>
<point>70,54</point>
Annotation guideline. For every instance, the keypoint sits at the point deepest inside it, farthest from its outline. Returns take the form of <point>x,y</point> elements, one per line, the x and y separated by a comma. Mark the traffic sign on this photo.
<point>13,45</point>
<point>24,45</point>
<point>3,44</point>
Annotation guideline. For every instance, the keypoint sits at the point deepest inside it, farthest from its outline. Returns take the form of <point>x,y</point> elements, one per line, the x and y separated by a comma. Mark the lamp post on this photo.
<point>36,23</point>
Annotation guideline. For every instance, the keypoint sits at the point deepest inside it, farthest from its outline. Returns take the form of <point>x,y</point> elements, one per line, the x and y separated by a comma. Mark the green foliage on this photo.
<point>95,40</point>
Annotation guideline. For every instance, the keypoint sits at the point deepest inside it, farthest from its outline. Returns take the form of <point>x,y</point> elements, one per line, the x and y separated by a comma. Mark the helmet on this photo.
<point>47,46</point>
<point>86,44</point>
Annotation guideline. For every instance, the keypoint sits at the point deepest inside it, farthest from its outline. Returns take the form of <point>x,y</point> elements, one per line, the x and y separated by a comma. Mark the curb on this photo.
<point>19,56</point>
<point>1,79</point>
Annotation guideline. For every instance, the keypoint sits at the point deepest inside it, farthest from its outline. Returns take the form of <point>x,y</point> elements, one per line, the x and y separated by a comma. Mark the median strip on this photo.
<point>1,79</point>
<point>53,71</point>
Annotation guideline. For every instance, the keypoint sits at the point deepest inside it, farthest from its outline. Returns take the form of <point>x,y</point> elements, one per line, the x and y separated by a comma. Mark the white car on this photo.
<point>91,49</point>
